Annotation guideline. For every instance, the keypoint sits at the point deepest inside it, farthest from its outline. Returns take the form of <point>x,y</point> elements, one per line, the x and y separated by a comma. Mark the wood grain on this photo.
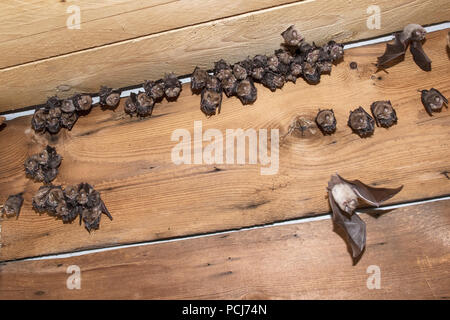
<point>130,62</point>
<point>35,30</point>
<point>298,261</point>
<point>150,197</point>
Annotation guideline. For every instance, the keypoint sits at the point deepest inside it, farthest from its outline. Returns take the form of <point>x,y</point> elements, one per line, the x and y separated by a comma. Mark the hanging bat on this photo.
<point>344,196</point>
<point>12,206</point>
<point>412,35</point>
<point>448,39</point>
<point>433,100</point>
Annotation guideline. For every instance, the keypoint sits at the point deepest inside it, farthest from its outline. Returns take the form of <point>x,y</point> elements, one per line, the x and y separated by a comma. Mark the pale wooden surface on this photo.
<point>130,62</point>
<point>300,261</point>
<point>151,198</point>
<point>34,30</point>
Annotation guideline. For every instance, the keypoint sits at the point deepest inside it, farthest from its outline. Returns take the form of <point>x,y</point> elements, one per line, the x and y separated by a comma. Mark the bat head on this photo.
<point>414,32</point>
<point>345,197</point>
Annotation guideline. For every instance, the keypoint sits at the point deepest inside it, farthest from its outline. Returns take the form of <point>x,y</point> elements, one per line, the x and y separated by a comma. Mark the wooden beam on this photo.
<point>130,62</point>
<point>150,197</point>
<point>39,30</point>
<point>300,261</point>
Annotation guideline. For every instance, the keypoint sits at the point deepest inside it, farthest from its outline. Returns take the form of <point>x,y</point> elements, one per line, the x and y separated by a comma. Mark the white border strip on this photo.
<point>276,224</point>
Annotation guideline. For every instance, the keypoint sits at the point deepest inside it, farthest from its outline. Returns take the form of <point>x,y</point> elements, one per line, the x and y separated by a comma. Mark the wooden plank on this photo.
<point>299,261</point>
<point>130,62</point>
<point>36,30</point>
<point>150,197</point>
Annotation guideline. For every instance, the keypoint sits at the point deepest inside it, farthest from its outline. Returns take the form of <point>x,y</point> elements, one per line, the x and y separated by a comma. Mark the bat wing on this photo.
<point>374,196</point>
<point>353,226</point>
<point>420,57</point>
<point>393,51</point>
<point>105,210</point>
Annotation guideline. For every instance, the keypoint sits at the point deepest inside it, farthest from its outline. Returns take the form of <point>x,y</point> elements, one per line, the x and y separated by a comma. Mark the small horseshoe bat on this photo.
<point>343,196</point>
<point>412,35</point>
<point>433,100</point>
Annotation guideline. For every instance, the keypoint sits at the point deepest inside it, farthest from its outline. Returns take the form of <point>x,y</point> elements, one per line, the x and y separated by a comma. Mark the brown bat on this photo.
<point>412,35</point>
<point>12,206</point>
<point>343,196</point>
<point>433,100</point>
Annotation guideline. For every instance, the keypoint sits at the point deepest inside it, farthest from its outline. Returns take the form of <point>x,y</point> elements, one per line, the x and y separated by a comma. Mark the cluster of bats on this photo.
<point>63,113</point>
<point>295,59</point>
<point>142,103</point>
<point>359,120</point>
<point>68,203</point>
<point>65,203</point>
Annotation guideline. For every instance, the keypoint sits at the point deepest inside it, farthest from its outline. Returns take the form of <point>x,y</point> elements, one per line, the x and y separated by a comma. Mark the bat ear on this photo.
<point>353,227</point>
<point>374,196</point>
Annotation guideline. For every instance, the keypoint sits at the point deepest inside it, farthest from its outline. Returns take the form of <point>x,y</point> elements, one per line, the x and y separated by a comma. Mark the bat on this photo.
<point>172,86</point>
<point>109,97</point>
<point>246,91</point>
<point>198,80</point>
<point>43,166</point>
<point>292,37</point>
<point>344,196</point>
<point>433,100</point>
<point>13,205</point>
<point>412,35</point>
<point>70,202</point>
<point>211,97</point>
<point>139,104</point>
<point>393,51</point>
<point>326,121</point>
<point>384,113</point>
<point>361,122</point>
